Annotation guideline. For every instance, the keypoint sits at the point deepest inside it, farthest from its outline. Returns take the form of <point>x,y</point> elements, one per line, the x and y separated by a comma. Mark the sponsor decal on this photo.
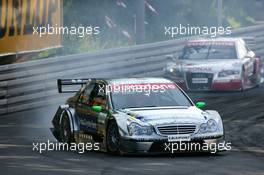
<point>176,138</point>
<point>18,19</point>
<point>148,86</point>
<point>199,80</point>
<point>88,123</point>
<point>101,118</point>
<point>197,69</point>
<point>206,43</point>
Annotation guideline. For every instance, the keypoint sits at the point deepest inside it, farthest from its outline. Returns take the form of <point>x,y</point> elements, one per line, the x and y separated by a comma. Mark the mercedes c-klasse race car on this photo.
<point>215,64</point>
<point>134,115</point>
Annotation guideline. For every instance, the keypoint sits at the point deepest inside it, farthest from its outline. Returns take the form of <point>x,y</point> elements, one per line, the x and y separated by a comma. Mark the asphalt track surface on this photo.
<point>242,112</point>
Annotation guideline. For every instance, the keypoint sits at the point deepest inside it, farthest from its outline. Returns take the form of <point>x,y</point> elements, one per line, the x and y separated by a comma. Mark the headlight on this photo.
<point>175,71</point>
<point>171,70</point>
<point>226,73</point>
<point>203,128</point>
<point>210,126</point>
<point>136,129</point>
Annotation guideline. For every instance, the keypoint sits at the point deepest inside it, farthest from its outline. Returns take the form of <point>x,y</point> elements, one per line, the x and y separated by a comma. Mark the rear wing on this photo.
<point>70,83</point>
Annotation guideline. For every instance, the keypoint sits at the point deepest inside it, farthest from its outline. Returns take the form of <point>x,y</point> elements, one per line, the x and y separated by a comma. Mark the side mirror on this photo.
<point>97,108</point>
<point>200,104</point>
<point>250,54</point>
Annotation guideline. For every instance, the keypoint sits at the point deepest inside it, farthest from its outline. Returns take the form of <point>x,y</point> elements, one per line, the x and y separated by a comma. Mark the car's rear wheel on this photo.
<point>256,79</point>
<point>243,80</point>
<point>113,138</point>
<point>65,132</point>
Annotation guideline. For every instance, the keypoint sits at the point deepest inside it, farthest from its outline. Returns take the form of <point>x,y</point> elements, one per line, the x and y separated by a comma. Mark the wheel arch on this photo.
<point>110,119</point>
<point>74,122</point>
<point>213,114</point>
<point>121,123</point>
<point>57,120</point>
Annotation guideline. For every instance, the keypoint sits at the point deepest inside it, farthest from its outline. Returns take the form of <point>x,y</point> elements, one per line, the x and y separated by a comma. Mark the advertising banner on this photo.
<point>20,21</point>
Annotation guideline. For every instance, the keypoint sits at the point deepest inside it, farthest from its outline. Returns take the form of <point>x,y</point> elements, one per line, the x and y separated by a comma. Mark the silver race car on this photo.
<point>215,64</point>
<point>146,115</point>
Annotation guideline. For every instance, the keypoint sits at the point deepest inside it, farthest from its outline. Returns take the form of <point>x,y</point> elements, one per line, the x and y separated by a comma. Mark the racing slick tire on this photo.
<point>256,80</point>
<point>243,80</point>
<point>65,130</point>
<point>113,138</point>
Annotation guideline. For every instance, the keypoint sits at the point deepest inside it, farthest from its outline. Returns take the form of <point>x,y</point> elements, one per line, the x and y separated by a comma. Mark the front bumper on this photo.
<point>227,86</point>
<point>154,146</point>
<point>214,85</point>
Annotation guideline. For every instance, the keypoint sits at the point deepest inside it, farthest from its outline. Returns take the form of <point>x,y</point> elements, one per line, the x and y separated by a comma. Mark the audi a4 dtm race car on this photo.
<point>133,115</point>
<point>215,64</point>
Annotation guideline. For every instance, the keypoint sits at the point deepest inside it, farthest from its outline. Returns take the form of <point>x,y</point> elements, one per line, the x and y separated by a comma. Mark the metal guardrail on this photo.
<point>33,84</point>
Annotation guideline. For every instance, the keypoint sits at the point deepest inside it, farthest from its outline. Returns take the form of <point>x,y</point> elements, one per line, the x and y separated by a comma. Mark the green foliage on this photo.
<point>74,44</point>
<point>233,22</point>
<point>236,13</point>
<point>45,54</point>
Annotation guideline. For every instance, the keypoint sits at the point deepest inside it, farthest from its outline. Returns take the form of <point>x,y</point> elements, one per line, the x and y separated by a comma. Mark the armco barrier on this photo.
<point>33,84</point>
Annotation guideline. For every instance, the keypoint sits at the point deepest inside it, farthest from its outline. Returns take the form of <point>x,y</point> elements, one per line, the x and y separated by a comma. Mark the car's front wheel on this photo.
<point>243,80</point>
<point>113,138</point>
<point>258,69</point>
<point>65,131</point>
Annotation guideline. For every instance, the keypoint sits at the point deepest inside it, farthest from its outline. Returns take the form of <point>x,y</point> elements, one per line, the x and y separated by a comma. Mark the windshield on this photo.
<point>149,98</point>
<point>209,51</point>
